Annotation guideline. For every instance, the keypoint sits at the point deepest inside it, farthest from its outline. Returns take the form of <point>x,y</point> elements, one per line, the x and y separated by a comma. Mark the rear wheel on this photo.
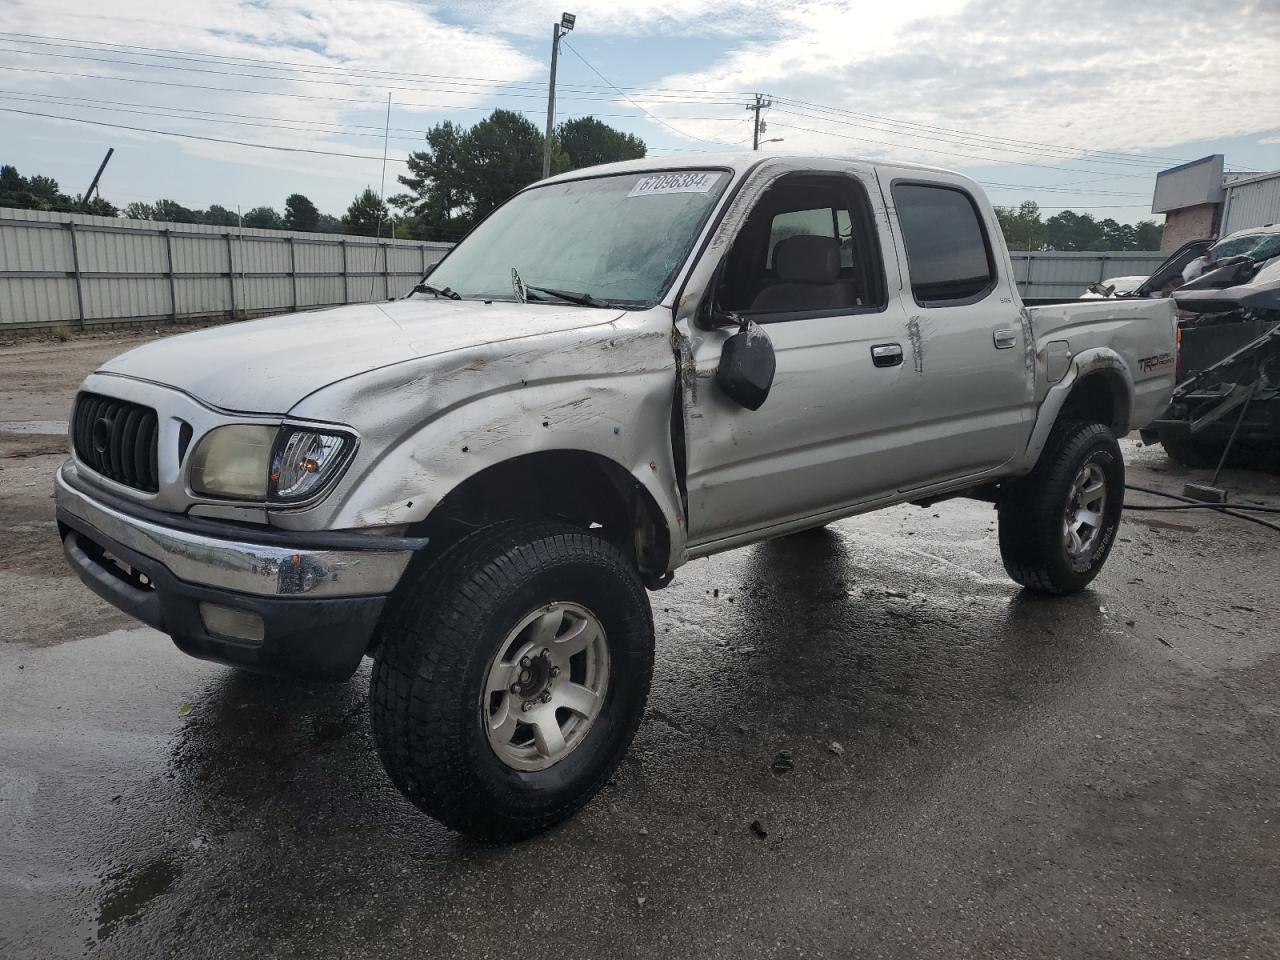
<point>1058,523</point>
<point>511,676</point>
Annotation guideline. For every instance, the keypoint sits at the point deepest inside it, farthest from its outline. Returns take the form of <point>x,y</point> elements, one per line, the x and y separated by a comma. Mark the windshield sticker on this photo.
<point>691,181</point>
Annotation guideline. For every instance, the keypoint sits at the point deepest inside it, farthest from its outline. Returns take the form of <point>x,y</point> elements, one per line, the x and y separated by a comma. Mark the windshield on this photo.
<point>1258,246</point>
<point>619,239</point>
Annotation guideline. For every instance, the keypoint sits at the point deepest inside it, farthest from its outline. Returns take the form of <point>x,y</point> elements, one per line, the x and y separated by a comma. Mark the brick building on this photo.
<point>1199,200</point>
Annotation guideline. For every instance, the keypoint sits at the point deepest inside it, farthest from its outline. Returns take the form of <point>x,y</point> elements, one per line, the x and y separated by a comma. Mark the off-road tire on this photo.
<point>1032,510</point>
<point>435,645</point>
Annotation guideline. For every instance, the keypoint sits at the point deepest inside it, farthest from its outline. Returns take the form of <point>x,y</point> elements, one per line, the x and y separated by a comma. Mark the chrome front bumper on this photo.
<point>263,569</point>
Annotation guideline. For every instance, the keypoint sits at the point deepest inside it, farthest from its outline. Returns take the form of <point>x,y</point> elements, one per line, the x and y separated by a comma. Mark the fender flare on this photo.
<point>1095,362</point>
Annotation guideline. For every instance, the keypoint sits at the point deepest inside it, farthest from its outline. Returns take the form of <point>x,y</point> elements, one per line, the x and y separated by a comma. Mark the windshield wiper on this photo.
<point>584,299</point>
<point>437,291</point>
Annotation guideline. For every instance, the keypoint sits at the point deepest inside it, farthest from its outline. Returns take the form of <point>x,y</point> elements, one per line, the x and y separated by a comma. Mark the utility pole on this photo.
<point>558,30</point>
<point>759,126</point>
<point>88,194</point>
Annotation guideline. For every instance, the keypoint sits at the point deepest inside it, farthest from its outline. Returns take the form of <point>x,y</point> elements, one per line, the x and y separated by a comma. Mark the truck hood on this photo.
<point>268,366</point>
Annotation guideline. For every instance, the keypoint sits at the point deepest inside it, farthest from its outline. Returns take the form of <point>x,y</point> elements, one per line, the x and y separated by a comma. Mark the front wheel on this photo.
<point>511,676</point>
<point>1058,523</point>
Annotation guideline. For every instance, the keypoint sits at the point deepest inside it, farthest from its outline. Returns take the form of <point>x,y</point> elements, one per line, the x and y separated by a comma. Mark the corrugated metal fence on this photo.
<point>1052,273</point>
<point>60,269</point>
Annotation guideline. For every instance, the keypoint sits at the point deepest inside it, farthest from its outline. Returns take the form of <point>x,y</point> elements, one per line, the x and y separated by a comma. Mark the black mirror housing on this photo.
<point>747,365</point>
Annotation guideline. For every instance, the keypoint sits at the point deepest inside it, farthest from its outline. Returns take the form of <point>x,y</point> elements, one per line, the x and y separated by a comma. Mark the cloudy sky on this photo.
<point>1071,104</point>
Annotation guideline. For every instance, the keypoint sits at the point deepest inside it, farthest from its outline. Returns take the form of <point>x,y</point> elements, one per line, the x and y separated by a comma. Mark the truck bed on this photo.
<point>1085,332</point>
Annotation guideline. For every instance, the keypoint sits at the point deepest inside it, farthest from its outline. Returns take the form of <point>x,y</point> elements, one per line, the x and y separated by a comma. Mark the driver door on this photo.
<point>807,266</point>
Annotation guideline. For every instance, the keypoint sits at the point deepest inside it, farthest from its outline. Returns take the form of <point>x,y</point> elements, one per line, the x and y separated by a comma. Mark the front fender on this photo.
<point>429,426</point>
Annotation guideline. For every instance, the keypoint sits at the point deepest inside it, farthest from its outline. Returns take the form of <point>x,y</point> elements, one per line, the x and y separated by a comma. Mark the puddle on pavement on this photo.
<point>128,894</point>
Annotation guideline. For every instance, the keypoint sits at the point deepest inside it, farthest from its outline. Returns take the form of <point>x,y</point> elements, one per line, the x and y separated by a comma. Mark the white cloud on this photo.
<point>1085,73</point>
<point>354,35</point>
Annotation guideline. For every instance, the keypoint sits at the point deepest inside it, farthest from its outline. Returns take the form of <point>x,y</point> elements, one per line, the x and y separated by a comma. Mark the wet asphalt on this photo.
<point>861,742</point>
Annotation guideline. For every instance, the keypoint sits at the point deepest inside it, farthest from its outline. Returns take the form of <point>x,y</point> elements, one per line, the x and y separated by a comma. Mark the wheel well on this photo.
<point>572,485</point>
<point>1099,398</point>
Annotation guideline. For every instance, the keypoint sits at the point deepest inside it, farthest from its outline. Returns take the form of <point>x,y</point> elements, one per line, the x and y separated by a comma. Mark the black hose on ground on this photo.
<point>1189,504</point>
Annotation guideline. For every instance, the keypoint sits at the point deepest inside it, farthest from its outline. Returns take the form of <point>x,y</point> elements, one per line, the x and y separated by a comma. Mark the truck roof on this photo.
<point>739,162</point>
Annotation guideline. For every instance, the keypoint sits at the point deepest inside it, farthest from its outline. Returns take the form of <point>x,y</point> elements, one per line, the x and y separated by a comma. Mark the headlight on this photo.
<point>260,462</point>
<point>234,461</point>
<point>304,462</point>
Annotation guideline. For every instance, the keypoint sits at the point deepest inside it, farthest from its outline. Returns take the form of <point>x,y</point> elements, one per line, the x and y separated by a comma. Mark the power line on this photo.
<point>459,87</point>
<point>193,136</point>
<point>978,136</point>
<point>366,102</point>
<point>242,119</point>
<point>96,45</point>
<point>935,138</point>
<point>675,130</point>
<point>949,153</point>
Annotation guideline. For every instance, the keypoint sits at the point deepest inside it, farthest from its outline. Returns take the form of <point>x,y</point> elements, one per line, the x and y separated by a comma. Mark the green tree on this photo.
<point>98,207</point>
<point>465,174</point>
<point>328,223</point>
<point>263,218</point>
<point>1116,236</point>
<point>32,193</point>
<point>168,211</point>
<point>1068,230</point>
<point>501,155</point>
<point>1022,227</point>
<point>365,214</point>
<point>587,142</point>
<point>1150,234</point>
<point>300,214</point>
<point>219,216</point>
<point>437,198</point>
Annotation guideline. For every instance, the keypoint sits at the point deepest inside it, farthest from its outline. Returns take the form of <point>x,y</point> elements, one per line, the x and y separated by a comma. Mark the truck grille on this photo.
<point>117,439</point>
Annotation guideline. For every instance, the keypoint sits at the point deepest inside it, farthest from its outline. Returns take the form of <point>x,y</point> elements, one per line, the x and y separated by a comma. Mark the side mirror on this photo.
<point>747,365</point>
<point>1102,289</point>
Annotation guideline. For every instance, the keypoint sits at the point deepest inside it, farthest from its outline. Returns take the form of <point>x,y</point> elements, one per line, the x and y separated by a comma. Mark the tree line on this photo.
<point>43,193</point>
<point>1024,229</point>
<point>462,175</point>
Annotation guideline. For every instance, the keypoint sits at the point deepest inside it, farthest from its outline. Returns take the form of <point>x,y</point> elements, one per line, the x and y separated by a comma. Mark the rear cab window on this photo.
<point>949,254</point>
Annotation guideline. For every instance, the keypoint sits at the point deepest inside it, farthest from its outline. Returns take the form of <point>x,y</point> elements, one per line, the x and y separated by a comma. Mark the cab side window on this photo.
<point>808,248</point>
<point>948,254</point>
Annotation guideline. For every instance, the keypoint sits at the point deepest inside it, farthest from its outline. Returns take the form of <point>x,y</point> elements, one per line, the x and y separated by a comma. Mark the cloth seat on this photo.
<point>808,269</point>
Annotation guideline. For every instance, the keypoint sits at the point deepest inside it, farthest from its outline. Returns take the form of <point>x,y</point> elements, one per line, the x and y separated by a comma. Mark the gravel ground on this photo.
<point>936,764</point>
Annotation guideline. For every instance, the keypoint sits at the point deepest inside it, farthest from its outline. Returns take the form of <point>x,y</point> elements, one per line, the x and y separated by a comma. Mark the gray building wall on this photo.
<point>1254,202</point>
<point>61,269</point>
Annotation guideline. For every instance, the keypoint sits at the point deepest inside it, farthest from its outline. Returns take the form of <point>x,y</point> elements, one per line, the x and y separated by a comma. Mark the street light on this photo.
<point>774,140</point>
<point>558,30</point>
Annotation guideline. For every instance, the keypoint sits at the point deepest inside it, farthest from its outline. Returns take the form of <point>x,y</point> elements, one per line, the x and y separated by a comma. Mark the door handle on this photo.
<point>886,354</point>
<point>1005,338</point>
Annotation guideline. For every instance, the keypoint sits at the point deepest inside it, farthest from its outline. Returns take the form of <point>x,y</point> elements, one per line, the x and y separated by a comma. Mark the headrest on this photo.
<point>807,259</point>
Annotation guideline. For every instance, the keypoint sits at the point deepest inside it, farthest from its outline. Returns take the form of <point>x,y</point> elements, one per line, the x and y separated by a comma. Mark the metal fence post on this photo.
<point>1030,261</point>
<point>386,271</point>
<point>173,287</point>
<point>75,266</point>
<point>346,286</point>
<point>293,273</point>
<point>231,273</point>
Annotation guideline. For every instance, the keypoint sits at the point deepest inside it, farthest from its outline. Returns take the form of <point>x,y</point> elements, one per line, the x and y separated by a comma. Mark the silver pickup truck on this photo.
<point>620,370</point>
